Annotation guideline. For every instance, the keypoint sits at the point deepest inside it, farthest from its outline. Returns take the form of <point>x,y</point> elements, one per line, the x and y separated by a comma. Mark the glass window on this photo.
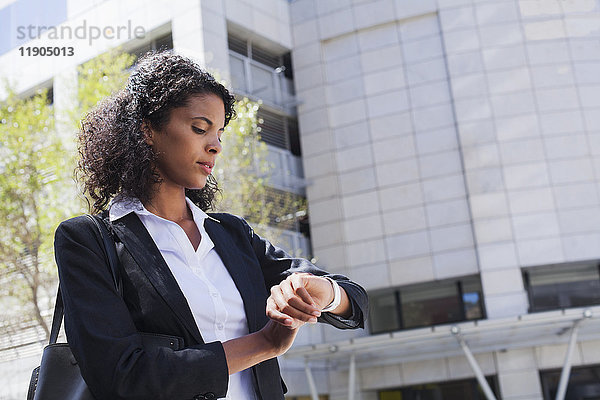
<point>467,389</point>
<point>238,74</point>
<point>472,297</point>
<point>584,383</point>
<point>426,304</point>
<point>383,313</point>
<point>265,72</point>
<point>294,134</point>
<point>430,305</point>
<point>164,42</point>
<point>263,84</point>
<point>562,286</point>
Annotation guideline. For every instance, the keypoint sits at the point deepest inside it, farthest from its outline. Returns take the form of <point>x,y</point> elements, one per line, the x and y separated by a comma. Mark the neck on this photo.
<point>169,203</point>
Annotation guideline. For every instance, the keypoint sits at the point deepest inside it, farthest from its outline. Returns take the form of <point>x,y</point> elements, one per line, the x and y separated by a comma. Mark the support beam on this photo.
<point>474,365</point>
<point>352,377</point>
<point>311,382</point>
<point>566,370</point>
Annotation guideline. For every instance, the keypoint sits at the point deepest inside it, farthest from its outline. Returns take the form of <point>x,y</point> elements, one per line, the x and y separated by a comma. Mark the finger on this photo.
<point>289,307</point>
<point>303,281</point>
<point>280,317</point>
<point>307,299</point>
<point>319,288</point>
<point>299,308</point>
<point>271,306</point>
<point>299,279</point>
<point>276,315</point>
<point>277,298</point>
<point>302,303</point>
<point>300,282</point>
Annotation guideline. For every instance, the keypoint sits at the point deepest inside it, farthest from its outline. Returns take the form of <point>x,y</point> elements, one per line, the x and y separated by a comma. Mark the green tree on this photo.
<point>242,172</point>
<point>100,77</point>
<point>37,190</point>
<point>242,168</point>
<point>34,181</point>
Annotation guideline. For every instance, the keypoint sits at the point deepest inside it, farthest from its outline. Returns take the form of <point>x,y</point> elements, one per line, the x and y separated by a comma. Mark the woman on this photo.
<point>237,301</point>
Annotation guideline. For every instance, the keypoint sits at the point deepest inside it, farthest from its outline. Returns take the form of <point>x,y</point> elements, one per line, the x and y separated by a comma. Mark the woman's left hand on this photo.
<point>299,299</point>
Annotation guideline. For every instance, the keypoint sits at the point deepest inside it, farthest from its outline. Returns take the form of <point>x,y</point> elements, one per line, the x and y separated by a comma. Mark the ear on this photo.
<point>148,133</point>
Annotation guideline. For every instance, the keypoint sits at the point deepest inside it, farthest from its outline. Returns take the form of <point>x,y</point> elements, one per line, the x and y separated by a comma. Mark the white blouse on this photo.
<point>211,294</point>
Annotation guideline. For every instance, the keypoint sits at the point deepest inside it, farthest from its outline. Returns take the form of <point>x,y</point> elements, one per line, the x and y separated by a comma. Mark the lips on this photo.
<point>207,166</point>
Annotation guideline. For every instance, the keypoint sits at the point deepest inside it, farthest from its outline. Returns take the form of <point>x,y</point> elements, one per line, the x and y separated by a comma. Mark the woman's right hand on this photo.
<point>279,337</point>
<point>271,341</point>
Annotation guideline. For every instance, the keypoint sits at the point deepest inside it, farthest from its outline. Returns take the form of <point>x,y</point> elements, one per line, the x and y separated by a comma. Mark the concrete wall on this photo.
<point>450,138</point>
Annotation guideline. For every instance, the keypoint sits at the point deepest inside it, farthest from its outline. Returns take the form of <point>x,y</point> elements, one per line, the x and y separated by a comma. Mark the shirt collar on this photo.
<point>120,206</point>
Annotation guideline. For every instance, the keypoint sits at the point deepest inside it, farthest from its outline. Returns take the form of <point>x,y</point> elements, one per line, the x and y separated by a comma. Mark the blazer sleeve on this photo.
<point>102,336</point>
<point>277,265</point>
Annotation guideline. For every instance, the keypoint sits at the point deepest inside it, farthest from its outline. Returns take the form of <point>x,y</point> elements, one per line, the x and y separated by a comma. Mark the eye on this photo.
<point>198,130</point>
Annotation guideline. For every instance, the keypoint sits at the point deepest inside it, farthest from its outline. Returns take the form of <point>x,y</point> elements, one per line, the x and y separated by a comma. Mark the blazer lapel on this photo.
<point>238,269</point>
<point>142,248</point>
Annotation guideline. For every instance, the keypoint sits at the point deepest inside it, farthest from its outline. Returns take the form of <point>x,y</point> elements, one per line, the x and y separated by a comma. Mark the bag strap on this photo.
<point>113,261</point>
<point>109,249</point>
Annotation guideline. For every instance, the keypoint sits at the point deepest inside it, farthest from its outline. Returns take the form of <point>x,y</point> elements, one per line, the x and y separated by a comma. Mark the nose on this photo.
<point>214,145</point>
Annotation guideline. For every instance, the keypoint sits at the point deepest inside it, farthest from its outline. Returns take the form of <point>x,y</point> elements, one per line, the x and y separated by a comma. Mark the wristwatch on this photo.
<point>337,296</point>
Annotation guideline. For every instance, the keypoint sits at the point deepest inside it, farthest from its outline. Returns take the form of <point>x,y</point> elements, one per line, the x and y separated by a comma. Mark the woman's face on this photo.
<point>188,145</point>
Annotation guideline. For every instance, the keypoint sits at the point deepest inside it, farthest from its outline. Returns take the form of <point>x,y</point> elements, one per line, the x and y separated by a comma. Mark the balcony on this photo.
<point>295,243</point>
<point>261,82</point>
<point>287,172</point>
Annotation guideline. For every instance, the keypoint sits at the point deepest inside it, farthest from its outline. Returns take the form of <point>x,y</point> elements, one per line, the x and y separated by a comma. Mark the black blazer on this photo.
<point>103,328</point>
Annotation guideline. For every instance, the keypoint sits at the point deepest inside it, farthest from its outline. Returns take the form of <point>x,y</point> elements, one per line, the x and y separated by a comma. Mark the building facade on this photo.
<point>448,152</point>
<point>458,142</point>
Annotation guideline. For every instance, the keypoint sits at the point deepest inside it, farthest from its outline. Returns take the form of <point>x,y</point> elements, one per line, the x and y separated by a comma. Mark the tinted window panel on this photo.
<point>472,302</point>
<point>473,298</point>
<point>383,313</point>
<point>584,383</point>
<point>563,286</point>
<point>467,389</point>
<point>426,304</point>
<point>422,306</point>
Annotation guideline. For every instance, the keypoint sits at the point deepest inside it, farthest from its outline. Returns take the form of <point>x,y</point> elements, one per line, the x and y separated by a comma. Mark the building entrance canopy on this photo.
<point>546,328</point>
<point>468,338</point>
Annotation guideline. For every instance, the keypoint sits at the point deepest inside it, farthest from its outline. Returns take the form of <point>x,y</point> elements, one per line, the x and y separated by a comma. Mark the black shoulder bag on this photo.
<point>58,377</point>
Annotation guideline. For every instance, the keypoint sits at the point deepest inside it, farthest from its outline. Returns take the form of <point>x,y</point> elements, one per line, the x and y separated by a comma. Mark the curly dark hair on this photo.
<point>114,156</point>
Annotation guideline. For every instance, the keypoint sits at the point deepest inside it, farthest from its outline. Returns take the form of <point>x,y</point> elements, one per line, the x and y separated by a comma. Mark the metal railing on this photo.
<point>294,243</point>
<point>261,82</point>
<point>287,172</point>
